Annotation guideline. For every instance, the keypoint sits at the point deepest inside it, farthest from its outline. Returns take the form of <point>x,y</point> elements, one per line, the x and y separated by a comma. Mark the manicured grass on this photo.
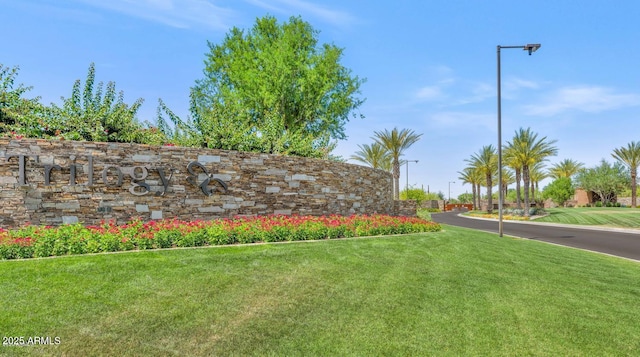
<point>608,216</point>
<point>455,292</point>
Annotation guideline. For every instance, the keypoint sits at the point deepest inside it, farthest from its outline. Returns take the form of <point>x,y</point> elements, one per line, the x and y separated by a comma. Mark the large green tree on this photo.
<point>485,162</point>
<point>273,88</point>
<point>526,149</point>
<point>606,180</point>
<point>630,157</point>
<point>559,190</point>
<point>396,142</point>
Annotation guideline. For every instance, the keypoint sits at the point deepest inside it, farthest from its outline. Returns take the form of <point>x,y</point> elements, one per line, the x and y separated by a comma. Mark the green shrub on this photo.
<point>143,242</point>
<point>28,242</point>
<point>78,244</point>
<point>535,211</point>
<point>43,247</point>
<point>218,236</point>
<point>166,239</point>
<point>109,242</point>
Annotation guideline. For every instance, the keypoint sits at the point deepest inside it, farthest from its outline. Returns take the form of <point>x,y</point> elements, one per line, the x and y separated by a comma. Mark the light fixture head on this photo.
<point>532,48</point>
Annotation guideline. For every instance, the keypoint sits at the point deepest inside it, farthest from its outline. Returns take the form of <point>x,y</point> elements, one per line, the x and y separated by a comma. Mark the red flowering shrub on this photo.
<point>33,241</point>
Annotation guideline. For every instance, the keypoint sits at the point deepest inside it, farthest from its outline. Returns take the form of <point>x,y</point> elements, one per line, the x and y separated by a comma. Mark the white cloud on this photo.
<point>174,13</point>
<point>430,93</point>
<point>477,93</point>
<point>335,17</point>
<point>513,84</point>
<point>441,71</point>
<point>588,99</point>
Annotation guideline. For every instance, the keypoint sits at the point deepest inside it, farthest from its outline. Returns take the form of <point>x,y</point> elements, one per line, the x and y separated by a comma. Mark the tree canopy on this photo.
<point>565,168</point>
<point>485,163</point>
<point>17,113</point>
<point>92,112</point>
<point>374,155</point>
<point>606,180</point>
<point>414,193</point>
<point>273,89</point>
<point>96,113</point>
<point>525,150</point>
<point>396,142</point>
<point>559,190</point>
<point>630,157</point>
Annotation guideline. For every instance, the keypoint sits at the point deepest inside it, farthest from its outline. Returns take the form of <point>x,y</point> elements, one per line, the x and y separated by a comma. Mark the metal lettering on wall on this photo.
<point>113,176</point>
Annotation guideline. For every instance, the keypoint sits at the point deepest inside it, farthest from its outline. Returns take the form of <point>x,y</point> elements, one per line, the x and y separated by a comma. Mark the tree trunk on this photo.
<point>473,195</point>
<point>533,192</point>
<point>489,198</point>
<point>478,191</point>
<point>396,179</point>
<point>504,193</point>
<point>525,179</point>
<point>518,178</point>
<point>634,175</point>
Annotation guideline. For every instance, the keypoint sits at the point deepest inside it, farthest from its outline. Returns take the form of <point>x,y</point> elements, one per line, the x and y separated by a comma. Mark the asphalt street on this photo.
<point>613,241</point>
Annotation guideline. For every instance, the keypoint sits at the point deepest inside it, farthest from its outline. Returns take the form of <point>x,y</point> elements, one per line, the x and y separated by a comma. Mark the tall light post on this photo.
<point>530,48</point>
<point>407,163</point>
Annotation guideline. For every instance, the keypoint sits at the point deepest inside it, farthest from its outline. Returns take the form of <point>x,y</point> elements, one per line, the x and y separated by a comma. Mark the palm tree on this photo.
<point>486,162</point>
<point>508,178</point>
<point>474,177</point>
<point>536,174</point>
<point>512,160</point>
<point>630,156</point>
<point>565,168</point>
<point>527,150</point>
<point>374,155</point>
<point>396,142</point>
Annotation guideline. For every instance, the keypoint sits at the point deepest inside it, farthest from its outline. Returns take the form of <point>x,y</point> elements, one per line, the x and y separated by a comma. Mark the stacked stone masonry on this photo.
<point>46,182</point>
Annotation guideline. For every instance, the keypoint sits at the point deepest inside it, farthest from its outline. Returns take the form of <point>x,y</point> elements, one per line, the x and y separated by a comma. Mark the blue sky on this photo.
<point>430,65</point>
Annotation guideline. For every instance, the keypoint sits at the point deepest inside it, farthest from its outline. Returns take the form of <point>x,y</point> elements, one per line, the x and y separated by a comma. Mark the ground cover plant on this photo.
<point>38,241</point>
<point>455,292</point>
<point>594,216</point>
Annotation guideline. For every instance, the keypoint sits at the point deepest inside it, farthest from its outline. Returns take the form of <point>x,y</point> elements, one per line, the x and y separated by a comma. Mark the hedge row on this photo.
<point>38,241</point>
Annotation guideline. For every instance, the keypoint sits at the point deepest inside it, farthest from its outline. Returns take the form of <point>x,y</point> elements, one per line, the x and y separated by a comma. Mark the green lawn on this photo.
<point>609,216</point>
<point>456,292</point>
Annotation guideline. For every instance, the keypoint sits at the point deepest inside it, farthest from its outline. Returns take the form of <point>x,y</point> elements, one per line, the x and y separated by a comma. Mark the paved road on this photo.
<point>622,243</point>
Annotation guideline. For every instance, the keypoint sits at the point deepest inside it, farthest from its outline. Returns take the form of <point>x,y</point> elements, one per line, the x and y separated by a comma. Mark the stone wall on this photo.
<point>405,208</point>
<point>54,182</point>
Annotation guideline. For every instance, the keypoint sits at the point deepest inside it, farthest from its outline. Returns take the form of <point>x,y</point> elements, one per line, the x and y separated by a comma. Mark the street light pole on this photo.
<point>530,48</point>
<point>407,162</point>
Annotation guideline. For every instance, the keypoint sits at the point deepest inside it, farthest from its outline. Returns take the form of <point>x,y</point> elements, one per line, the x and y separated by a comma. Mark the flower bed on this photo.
<point>38,241</point>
